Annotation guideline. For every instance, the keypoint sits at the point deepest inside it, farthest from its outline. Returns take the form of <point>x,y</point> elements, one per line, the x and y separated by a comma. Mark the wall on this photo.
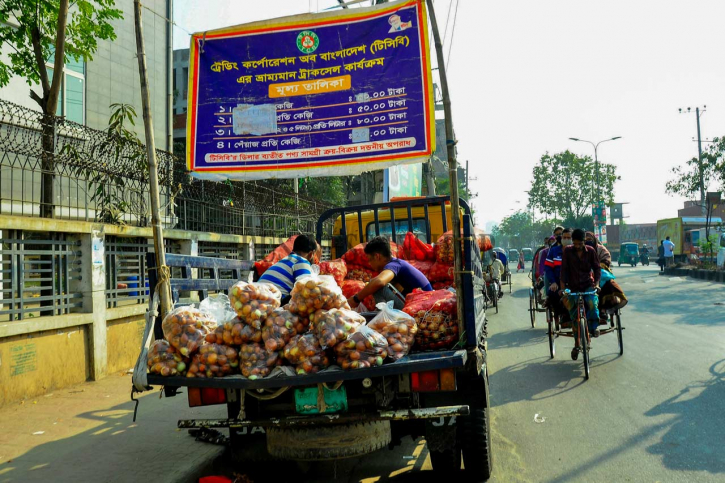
<point>98,321</point>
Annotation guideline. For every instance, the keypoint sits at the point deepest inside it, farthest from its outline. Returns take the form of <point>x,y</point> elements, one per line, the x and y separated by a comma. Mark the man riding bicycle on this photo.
<point>581,272</point>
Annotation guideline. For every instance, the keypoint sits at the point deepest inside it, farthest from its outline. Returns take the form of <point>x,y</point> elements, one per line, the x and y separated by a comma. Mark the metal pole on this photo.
<point>164,289</point>
<point>169,80</point>
<point>699,164</point>
<point>598,228</point>
<point>452,168</point>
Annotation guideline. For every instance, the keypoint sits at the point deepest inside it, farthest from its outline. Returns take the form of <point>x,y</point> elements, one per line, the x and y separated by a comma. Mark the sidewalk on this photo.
<point>88,435</point>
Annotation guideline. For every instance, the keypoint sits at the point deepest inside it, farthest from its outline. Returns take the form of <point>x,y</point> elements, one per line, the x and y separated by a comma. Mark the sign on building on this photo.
<point>403,181</point>
<point>312,95</point>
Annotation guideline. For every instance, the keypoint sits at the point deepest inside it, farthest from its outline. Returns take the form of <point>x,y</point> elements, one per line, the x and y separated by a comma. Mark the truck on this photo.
<point>680,230</point>
<point>441,395</point>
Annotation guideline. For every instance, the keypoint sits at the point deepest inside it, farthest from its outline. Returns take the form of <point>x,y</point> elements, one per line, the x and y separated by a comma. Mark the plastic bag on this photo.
<point>441,272</point>
<point>274,256</point>
<point>304,352</point>
<point>606,277</point>
<point>334,326</point>
<point>256,361</point>
<point>214,360</point>
<point>351,287</point>
<point>415,249</point>
<point>186,327</point>
<point>278,329</point>
<point>164,360</point>
<point>336,268</point>
<point>436,315</point>
<point>363,348</point>
<point>362,274</point>
<point>234,332</point>
<point>484,242</point>
<point>315,292</point>
<point>397,327</point>
<point>219,307</point>
<point>253,302</point>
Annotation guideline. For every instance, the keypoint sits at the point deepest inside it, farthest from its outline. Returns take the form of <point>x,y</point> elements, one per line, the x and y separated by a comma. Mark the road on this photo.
<point>654,414</point>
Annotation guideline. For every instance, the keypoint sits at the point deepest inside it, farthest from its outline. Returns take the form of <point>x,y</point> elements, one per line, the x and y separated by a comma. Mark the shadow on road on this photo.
<point>519,338</point>
<point>692,305</point>
<point>694,439</point>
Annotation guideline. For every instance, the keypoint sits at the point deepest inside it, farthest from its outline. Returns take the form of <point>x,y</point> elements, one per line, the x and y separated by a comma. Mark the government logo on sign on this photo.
<point>307,41</point>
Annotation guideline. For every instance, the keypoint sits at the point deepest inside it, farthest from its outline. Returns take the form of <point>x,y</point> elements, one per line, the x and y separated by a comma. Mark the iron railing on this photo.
<point>101,176</point>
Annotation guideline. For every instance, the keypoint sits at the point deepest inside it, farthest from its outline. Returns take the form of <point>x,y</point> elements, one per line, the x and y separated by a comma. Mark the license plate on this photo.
<point>306,400</point>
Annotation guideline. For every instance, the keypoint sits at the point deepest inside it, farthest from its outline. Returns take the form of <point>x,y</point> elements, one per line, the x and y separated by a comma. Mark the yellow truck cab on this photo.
<point>425,222</point>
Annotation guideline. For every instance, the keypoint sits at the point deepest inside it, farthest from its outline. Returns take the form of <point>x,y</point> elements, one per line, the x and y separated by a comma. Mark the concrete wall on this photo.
<point>42,354</point>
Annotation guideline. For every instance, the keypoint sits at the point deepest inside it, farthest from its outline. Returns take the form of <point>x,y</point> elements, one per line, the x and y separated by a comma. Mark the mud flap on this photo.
<point>441,434</point>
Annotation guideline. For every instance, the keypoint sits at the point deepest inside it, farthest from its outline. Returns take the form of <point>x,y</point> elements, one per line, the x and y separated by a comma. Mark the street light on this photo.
<point>596,167</point>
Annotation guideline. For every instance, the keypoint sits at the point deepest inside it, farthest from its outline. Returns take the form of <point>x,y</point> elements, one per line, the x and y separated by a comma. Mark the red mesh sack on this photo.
<point>336,268</point>
<point>275,255</point>
<point>484,242</point>
<point>415,249</point>
<point>441,272</point>
<point>351,287</point>
<point>443,285</point>
<point>424,267</point>
<point>362,274</point>
<point>356,255</point>
<point>444,248</point>
<point>435,314</point>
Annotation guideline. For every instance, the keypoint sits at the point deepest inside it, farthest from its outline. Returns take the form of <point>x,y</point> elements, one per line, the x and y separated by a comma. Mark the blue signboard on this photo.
<point>312,95</point>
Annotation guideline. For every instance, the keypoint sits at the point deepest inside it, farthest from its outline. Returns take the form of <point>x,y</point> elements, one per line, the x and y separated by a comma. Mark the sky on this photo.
<point>526,75</point>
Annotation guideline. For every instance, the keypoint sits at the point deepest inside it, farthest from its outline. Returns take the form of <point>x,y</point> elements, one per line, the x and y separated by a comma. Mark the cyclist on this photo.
<point>496,270</point>
<point>580,272</point>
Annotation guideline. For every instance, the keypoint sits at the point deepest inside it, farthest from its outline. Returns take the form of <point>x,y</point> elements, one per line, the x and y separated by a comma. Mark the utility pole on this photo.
<point>162,270</point>
<point>467,190</point>
<point>452,168</point>
<point>699,164</point>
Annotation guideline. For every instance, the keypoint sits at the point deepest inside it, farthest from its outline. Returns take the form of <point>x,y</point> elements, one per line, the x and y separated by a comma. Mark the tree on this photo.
<point>36,31</point>
<point>521,232</point>
<point>563,185</point>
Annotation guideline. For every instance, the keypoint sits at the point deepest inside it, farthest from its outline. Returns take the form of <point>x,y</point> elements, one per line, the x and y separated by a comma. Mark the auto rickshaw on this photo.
<point>628,254</point>
<point>528,254</point>
<point>513,255</point>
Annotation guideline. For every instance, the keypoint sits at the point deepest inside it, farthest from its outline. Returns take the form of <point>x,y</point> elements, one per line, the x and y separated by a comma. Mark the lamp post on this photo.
<point>596,168</point>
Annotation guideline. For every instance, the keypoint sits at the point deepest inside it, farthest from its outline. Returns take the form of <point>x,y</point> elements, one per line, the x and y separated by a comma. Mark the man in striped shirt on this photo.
<point>294,266</point>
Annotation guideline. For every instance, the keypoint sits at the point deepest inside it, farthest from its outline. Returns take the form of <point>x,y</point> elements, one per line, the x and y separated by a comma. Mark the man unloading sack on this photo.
<point>394,272</point>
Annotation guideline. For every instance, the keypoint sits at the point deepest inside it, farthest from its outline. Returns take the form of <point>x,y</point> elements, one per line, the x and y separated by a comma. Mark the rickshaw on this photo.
<point>559,328</point>
<point>506,275</point>
<point>536,295</point>
<point>628,254</point>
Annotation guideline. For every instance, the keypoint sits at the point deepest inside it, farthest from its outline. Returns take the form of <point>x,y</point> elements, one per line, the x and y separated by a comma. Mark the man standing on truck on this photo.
<point>669,252</point>
<point>294,266</point>
<point>394,272</point>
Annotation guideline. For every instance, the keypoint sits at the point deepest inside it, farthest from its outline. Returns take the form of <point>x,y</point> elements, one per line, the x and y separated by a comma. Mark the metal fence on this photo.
<point>102,176</point>
<point>40,274</point>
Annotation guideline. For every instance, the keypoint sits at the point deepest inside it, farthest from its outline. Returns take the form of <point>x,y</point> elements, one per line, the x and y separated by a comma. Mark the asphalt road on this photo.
<point>655,414</point>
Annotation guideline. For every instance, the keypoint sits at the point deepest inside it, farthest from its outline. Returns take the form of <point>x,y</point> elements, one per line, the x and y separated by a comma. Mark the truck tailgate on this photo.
<point>423,361</point>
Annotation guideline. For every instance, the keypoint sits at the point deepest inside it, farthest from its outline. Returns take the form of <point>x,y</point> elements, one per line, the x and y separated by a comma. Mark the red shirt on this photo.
<point>580,274</point>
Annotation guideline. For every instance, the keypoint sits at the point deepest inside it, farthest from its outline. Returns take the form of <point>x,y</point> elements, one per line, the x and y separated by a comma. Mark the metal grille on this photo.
<point>126,271</point>
<point>40,275</point>
<point>230,251</point>
<point>101,176</point>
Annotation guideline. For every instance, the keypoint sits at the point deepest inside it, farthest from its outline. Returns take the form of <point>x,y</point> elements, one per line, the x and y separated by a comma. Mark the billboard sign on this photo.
<point>403,181</point>
<point>325,94</point>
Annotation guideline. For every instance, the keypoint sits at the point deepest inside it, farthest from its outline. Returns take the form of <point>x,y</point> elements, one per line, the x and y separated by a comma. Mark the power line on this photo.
<point>453,31</point>
<point>448,18</point>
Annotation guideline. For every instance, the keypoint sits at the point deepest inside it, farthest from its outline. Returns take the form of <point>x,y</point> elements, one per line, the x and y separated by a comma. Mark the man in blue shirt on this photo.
<point>294,266</point>
<point>394,271</point>
<point>669,252</point>
<point>552,269</point>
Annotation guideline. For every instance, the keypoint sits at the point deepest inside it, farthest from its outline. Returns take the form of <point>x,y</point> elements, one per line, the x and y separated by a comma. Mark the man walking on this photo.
<point>669,252</point>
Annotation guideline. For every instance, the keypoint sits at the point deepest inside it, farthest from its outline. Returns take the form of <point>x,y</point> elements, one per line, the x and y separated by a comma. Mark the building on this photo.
<point>693,208</point>
<point>89,88</point>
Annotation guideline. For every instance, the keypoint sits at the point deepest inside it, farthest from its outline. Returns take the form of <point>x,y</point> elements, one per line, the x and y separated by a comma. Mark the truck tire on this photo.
<point>475,434</point>
<point>446,462</point>
<point>328,442</point>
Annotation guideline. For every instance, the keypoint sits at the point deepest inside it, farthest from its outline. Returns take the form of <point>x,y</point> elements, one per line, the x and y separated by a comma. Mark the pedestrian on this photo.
<point>669,252</point>
<point>661,255</point>
<point>521,265</point>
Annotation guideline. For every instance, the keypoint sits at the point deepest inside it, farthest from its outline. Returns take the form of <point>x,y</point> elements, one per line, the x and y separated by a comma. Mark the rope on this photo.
<point>267,397</point>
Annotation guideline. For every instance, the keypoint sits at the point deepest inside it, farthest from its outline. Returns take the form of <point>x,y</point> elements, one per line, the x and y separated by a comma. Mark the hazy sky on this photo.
<point>527,75</point>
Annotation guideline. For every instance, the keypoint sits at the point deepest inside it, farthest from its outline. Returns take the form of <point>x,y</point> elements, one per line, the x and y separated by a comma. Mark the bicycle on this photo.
<point>582,325</point>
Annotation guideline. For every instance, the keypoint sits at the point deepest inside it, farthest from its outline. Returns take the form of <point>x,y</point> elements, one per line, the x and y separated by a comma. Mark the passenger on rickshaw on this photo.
<point>497,269</point>
<point>538,266</point>
<point>612,296</point>
<point>552,241</point>
<point>580,272</point>
<point>553,272</point>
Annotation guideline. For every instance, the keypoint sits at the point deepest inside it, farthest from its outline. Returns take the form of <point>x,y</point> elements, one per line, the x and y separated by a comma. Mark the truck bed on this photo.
<point>417,362</point>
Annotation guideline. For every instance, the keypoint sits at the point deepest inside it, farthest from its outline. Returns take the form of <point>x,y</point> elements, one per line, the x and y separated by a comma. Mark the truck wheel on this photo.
<point>318,443</point>
<point>476,435</point>
<point>446,462</point>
